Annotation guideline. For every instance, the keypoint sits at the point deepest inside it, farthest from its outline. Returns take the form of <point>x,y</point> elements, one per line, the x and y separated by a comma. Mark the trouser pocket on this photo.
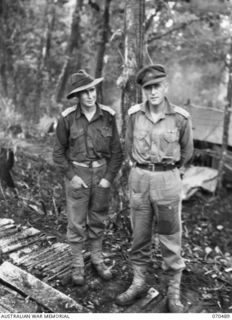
<point>100,199</point>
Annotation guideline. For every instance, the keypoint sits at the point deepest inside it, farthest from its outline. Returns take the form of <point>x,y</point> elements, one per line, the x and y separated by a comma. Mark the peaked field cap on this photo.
<point>80,81</point>
<point>151,74</point>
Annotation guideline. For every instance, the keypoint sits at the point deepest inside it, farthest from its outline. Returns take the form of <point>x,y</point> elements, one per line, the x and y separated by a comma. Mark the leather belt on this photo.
<point>90,164</point>
<point>155,166</point>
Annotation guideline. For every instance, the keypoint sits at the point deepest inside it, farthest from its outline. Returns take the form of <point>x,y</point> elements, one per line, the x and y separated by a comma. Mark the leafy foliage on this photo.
<point>185,35</point>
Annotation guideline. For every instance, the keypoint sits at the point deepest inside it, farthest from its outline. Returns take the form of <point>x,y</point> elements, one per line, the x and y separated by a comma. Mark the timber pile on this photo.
<point>52,264</point>
<point>24,246</point>
<point>13,237</point>
<point>52,299</point>
<point>33,269</point>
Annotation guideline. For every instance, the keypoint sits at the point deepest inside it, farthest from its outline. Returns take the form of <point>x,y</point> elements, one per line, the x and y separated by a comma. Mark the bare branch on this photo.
<point>171,30</point>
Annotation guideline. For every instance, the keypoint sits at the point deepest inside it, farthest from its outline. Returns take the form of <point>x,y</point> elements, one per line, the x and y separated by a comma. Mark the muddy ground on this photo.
<point>207,240</point>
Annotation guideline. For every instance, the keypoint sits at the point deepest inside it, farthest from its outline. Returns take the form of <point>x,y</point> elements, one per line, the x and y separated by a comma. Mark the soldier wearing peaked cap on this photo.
<point>158,142</point>
<point>87,150</point>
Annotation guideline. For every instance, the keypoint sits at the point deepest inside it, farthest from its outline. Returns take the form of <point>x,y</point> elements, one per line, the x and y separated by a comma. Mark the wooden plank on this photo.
<point>39,291</point>
<point>10,230</point>
<point>5,221</point>
<point>3,309</point>
<point>43,254</point>
<point>12,301</point>
<point>23,253</point>
<point>20,239</point>
<point>23,243</point>
<point>23,234</point>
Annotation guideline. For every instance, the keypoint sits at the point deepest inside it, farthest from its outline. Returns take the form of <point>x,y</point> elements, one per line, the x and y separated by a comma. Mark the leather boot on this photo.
<point>97,259</point>
<point>136,289</point>
<point>174,303</point>
<point>77,264</point>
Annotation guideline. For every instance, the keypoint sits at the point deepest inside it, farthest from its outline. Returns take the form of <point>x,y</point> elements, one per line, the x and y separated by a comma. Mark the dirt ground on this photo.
<point>207,240</point>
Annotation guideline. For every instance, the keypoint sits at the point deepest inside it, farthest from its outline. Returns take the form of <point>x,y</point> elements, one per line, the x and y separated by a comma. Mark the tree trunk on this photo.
<point>3,45</point>
<point>43,54</point>
<point>74,42</point>
<point>102,47</point>
<point>133,55</point>
<point>50,28</point>
<point>226,126</point>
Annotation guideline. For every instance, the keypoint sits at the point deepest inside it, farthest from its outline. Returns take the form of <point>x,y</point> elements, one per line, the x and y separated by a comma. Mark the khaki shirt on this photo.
<point>169,139</point>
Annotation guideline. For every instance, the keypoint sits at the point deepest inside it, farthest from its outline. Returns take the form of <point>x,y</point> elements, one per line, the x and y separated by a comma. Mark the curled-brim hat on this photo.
<point>80,81</point>
<point>150,75</point>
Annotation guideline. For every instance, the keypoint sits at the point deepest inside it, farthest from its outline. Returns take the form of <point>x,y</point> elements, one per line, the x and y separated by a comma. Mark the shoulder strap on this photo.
<point>182,111</point>
<point>68,111</point>
<point>134,109</point>
<point>108,109</point>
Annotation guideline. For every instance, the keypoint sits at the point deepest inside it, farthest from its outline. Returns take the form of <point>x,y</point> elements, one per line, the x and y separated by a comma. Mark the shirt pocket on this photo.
<point>77,141</point>
<point>103,139</point>
<point>142,141</point>
<point>106,132</point>
<point>76,134</point>
<point>171,136</point>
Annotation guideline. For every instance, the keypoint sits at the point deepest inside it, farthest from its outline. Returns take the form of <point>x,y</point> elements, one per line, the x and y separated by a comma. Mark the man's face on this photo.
<point>155,93</point>
<point>88,97</point>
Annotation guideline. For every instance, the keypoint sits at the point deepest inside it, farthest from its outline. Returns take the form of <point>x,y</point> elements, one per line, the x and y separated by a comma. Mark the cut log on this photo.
<point>50,298</point>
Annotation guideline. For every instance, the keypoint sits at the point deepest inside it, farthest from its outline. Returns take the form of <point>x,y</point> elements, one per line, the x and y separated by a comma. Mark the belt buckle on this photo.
<point>152,166</point>
<point>90,164</point>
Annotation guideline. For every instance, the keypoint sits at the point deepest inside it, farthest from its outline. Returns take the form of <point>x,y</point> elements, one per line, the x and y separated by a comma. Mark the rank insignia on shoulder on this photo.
<point>134,109</point>
<point>182,111</point>
<point>68,111</point>
<point>108,109</point>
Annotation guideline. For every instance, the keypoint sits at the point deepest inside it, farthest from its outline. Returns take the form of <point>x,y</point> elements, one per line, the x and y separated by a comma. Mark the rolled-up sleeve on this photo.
<point>116,158</point>
<point>60,149</point>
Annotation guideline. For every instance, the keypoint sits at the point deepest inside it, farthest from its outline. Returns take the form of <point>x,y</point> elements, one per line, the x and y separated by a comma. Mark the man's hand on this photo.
<point>104,183</point>
<point>77,183</point>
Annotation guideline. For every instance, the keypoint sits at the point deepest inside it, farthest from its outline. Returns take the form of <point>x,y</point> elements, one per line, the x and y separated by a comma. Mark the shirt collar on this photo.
<point>97,114</point>
<point>167,110</point>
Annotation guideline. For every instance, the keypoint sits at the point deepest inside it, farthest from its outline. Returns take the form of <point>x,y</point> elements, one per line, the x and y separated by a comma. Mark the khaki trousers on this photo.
<point>156,195</point>
<point>87,208</point>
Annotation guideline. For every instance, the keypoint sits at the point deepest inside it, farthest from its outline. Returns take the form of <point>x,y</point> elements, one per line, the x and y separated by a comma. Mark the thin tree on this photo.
<point>73,43</point>
<point>133,55</point>
<point>40,65</point>
<point>102,46</point>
